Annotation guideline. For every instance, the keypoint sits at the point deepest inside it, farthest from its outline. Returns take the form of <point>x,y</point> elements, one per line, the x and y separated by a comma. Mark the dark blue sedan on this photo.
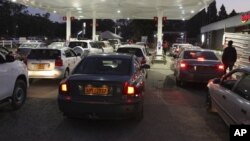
<point>104,86</point>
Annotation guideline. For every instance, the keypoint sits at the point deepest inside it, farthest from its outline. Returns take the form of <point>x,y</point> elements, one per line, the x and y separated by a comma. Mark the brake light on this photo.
<point>221,67</point>
<point>58,62</point>
<point>183,65</point>
<point>64,88</point>
<point>143,61</point>
<point>128,89</point>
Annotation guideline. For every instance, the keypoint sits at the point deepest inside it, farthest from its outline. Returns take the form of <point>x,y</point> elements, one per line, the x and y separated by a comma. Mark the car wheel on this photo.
<point>19,94</point>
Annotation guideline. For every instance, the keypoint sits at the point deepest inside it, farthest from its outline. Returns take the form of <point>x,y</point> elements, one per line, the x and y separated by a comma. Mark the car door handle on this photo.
<point>244,111</point>
<point>224,97</point>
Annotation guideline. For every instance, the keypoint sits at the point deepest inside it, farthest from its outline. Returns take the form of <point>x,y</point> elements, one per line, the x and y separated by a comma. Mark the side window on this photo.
<point>68,53</point>
<point>230,80</point>
<point>243,88</point>
<point>73,54</point>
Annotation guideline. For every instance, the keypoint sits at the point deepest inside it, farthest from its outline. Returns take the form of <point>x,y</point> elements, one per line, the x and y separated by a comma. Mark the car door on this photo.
<point>224,96</point>
<point>241,101</point>
<point>75,58</point>
<point>6,77</point>
<point>69,59</point>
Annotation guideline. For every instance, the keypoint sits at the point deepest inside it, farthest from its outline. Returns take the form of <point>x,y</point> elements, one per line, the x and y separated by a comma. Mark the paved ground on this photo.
<point>171,113</point>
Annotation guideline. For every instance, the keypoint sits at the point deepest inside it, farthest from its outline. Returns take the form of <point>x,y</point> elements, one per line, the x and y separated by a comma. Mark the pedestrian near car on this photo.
<point>165,47</point>
<point>229,56</point>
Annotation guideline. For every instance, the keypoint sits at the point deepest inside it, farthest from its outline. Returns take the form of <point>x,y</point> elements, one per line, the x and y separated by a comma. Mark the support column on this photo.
<point>94,26</point>
<point>68,26</point>
<point>159,32</point>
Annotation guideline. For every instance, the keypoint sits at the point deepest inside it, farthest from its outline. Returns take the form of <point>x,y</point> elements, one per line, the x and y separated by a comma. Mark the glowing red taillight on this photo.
<point>221,67</point>
<point>128,89</point>
<point>59,62</point>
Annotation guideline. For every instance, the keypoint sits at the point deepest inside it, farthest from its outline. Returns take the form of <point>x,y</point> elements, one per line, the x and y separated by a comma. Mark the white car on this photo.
<point>138,50</point>
<point>52,63</point>
<point>116,43</point>
<point>105,45</point>
<point>13,80</point>
<point>230,96</point>
<point>57,44</point>
<point>85,47</point>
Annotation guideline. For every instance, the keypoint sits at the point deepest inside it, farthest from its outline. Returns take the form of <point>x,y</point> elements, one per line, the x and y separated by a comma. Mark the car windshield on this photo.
<point>44,54</point>
<point>74,44</point>
<point>207,55</point>
<point>135,51</point>
<point>108,66</point>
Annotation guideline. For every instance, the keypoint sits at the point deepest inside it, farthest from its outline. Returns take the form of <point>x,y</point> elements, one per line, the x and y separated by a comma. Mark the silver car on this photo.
<point>230,96</point>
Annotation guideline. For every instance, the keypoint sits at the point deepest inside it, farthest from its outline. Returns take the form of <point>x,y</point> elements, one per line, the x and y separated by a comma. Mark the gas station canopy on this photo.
<point>120,9</point>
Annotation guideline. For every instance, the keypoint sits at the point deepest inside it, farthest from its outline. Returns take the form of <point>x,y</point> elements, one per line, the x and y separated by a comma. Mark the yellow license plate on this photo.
<point>40,66</point>
<point>89,90</point>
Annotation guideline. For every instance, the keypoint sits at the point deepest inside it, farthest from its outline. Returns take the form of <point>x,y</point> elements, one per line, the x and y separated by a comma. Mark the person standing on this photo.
<point>165,47</point>
<point>229,56</point>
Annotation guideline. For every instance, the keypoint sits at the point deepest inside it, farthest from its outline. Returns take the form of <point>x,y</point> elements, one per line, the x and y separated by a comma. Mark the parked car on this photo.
<point>24,49</point>
<point>105,45</point>
<point>53,63</point>
<point>13,80</point>
<point>197,65</point>
<point>230,96</point>
<point>104,86</point>
<point>138,50</point>
<point>85,47</point>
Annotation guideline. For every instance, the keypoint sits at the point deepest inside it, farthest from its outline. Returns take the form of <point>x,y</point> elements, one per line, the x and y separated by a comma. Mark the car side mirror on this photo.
<point>145,66</point>
<point>10,58</point>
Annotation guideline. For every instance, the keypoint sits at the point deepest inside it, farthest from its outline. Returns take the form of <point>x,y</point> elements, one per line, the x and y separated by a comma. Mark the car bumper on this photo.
<point>196,77</point>
<point>99,110</point>
<point>56,73</point>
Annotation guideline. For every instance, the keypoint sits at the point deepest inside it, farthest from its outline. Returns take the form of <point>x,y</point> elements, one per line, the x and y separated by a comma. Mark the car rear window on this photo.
<point>135,51</point>
<point>207,55</point>
<point>23,51</point>
<point>110,66</point>
<point>44,54</point>
<point>74,44</point>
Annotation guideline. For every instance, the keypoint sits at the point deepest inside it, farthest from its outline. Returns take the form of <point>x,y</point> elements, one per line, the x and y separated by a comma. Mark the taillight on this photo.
<point>143,61</point>
<point>221,67</point>
<point>58,62</point>
<point>128,89</point>
<point>64,88</point>
<point>183,65</point>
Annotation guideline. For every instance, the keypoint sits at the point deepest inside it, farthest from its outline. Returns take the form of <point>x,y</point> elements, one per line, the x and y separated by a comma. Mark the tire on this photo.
<point>19,94</point>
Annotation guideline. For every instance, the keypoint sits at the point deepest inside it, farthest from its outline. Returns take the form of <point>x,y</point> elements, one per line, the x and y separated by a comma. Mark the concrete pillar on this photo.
<point>94,26</point>
<point>159,32</point>
<point>68,26</point>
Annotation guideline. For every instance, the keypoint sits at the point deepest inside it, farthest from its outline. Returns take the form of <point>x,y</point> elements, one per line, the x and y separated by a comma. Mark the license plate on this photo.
<point>90,90</point>
<point>40,66</point>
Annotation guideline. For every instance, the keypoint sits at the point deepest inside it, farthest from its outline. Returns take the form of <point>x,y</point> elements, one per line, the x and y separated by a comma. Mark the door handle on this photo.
<point>244,111</point>
<point>224,97</point>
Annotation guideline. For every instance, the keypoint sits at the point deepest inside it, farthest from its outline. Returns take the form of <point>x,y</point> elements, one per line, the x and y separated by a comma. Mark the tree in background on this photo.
<point>222,13</point>
<point>233,13</point>
<point>212,13</point>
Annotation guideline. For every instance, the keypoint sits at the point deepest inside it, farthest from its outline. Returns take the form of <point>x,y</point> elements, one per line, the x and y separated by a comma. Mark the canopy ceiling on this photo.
<point>132,9</point>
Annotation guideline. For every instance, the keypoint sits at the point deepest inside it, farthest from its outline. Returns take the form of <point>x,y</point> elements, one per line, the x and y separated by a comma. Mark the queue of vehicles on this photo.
<point>104,79</point>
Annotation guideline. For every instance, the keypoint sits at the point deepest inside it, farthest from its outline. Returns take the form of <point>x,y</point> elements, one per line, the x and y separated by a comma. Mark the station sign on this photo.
<point>245,17</point>
<point>65,18</point>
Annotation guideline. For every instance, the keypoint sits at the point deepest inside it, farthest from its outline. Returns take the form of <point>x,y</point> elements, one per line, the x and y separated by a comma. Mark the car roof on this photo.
<point>246,69</point>
<point>50,48</point>
<point>132,46</point>
<point>111,55</point>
